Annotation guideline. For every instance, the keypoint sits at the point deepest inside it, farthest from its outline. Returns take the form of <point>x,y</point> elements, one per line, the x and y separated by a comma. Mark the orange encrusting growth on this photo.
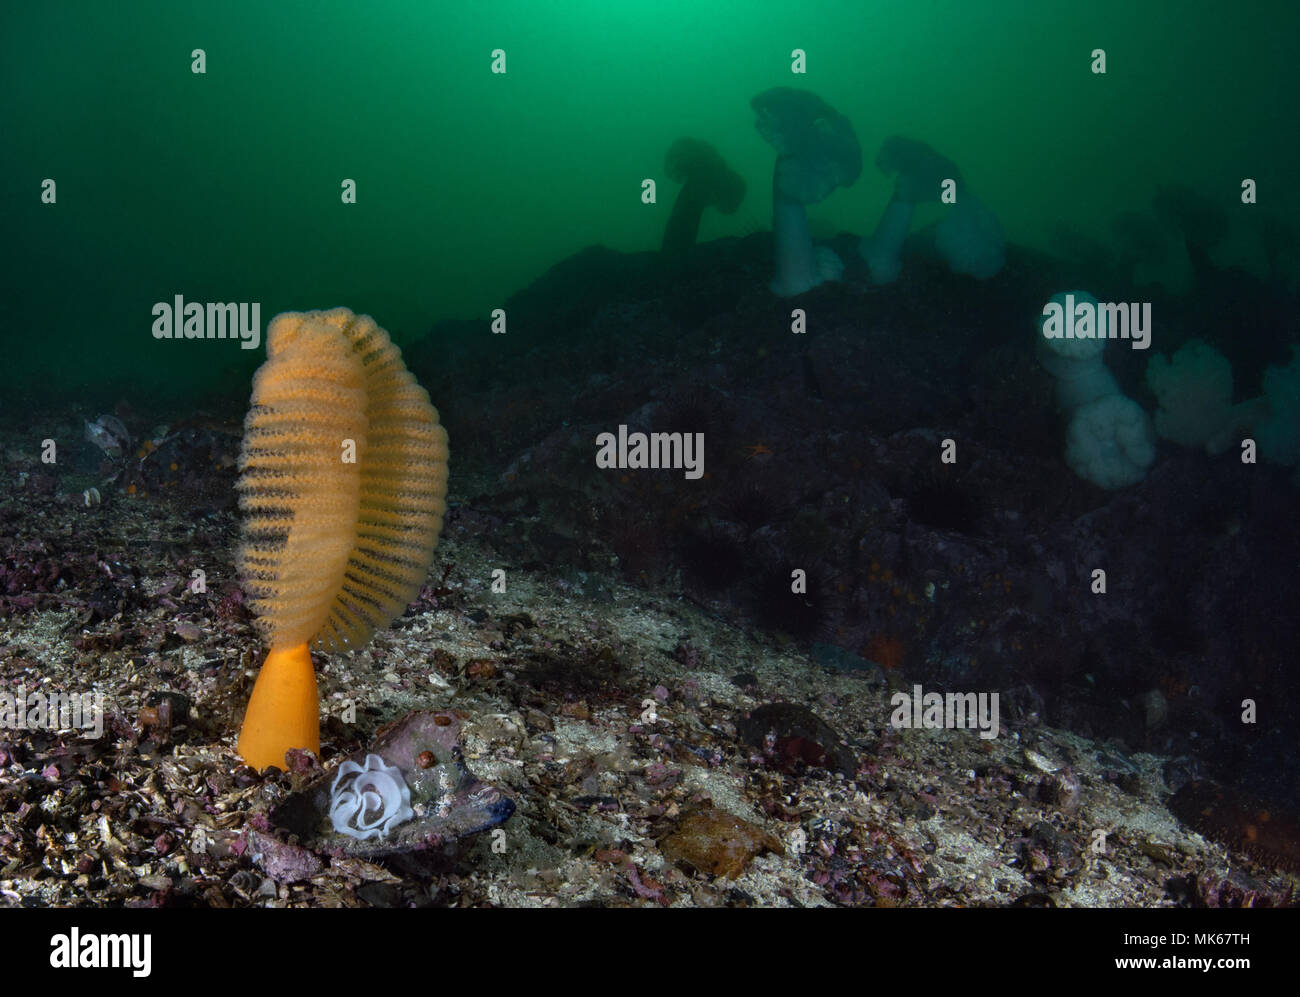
<point>343,479</point>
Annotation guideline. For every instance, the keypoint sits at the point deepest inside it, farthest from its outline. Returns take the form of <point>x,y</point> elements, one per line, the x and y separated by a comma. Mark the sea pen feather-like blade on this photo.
<point>334,550</point>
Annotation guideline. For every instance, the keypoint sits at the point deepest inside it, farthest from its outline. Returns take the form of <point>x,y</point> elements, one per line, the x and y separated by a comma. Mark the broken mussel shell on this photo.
<point>109,434</point>
<point>447,801</point>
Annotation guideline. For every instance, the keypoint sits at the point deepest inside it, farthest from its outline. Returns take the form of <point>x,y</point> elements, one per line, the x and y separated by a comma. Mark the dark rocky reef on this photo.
<point>822,454</point>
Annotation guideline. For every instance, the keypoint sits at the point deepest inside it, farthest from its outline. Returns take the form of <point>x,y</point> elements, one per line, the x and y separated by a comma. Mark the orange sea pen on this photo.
<point>343,483</point>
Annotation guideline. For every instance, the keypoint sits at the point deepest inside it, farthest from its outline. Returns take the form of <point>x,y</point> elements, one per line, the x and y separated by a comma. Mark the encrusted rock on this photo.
<point>447,801</point>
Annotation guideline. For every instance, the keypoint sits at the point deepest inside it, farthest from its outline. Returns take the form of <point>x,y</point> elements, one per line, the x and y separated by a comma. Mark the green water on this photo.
<point>226,186</point>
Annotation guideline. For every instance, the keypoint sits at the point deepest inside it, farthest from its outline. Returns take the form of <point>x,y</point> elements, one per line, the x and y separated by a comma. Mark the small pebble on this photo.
<point>188,631</point>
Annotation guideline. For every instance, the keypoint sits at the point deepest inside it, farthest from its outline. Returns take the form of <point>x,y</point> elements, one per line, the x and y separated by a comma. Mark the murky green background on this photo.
<point>226,186</point>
